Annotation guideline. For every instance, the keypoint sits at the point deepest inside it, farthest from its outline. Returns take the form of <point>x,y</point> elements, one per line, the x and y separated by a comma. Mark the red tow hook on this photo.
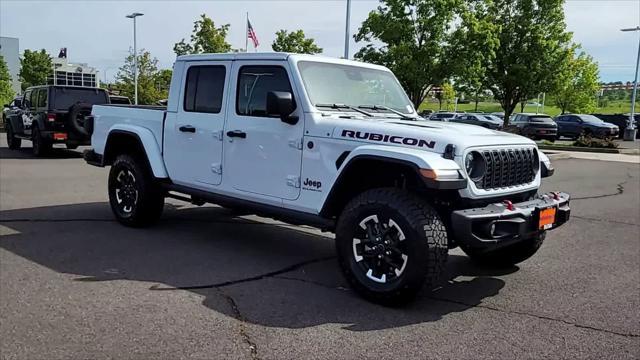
<point>509,205</point>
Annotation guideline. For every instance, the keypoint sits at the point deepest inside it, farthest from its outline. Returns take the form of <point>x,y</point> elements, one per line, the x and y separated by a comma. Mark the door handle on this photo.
<point>187,128</point>
<point>237,133</point>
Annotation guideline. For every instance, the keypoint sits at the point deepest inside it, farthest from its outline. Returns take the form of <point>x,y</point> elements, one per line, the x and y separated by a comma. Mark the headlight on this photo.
<point>475,165</point>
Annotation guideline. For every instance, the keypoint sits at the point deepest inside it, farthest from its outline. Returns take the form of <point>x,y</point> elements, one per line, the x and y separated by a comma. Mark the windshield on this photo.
<point>590,119</point>
<point>64,98</point>
<point>352,85</point>
<point>492,118</point>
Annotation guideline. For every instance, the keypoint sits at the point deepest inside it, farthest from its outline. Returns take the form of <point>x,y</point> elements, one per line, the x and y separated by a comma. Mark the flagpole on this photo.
<point>246,34</point>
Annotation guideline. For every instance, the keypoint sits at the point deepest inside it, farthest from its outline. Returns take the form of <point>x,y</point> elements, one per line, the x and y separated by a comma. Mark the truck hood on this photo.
<point>427,135</point>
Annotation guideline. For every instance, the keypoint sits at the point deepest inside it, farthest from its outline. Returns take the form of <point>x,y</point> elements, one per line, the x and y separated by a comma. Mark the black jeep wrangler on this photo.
<point>53,114</point>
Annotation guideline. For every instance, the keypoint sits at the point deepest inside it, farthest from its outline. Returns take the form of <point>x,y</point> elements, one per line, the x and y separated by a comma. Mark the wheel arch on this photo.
<point>374,166</point>
<point>138,142</point>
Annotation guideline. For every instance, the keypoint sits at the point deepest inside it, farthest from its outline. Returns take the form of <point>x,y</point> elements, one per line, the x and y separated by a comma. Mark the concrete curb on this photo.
<point>579,149</point>
<point>557,155</point>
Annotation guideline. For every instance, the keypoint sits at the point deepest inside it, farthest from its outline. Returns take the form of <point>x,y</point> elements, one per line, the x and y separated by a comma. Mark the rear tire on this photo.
<point>13,142</point>
<point>135,197</point>
<point>390,244</point>
<point>41,147</point>
<point>508,255</point>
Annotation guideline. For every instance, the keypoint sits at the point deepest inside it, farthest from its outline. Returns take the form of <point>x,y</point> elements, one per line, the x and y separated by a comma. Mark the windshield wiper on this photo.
<point>345,106</point>
<point>382,107</point>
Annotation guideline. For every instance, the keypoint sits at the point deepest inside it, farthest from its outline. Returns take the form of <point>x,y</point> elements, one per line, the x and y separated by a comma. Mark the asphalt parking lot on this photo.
<point>207,284</point>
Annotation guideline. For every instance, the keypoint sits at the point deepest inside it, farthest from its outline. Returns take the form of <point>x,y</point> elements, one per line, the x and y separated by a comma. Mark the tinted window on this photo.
<point>64,98</point>
<point>537,118</point>
<point>204,89</point>
<point>42,98</point>
<point>254,82</point>
<point>120,100</point>
<point>27,99</point>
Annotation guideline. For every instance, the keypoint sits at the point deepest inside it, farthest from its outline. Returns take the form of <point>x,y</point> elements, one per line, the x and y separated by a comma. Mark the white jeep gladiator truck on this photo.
<point>334,144</point>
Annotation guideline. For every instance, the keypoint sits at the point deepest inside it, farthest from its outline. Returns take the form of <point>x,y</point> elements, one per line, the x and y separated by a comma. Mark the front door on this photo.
<point>262,154</point>
<point>193,134</point>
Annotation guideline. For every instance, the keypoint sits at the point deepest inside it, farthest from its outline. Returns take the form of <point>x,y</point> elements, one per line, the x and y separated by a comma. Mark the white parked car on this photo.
<point>334,144</point>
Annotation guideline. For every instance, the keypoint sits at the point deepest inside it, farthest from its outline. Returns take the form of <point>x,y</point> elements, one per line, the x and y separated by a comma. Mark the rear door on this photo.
<point>267,159</point>
<point>193,135</point>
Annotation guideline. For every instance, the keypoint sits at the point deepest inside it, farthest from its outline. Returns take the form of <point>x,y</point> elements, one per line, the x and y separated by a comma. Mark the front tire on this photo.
<point>508,255</point>
<point>13,142</point>
<point>390,244</point>
<point>136,199</point>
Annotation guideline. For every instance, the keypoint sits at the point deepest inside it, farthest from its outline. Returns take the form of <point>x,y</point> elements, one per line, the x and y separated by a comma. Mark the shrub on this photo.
<point>588,141</point>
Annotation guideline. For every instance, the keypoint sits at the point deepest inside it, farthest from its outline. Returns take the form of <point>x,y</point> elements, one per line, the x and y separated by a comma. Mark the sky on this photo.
<point>96,32</point>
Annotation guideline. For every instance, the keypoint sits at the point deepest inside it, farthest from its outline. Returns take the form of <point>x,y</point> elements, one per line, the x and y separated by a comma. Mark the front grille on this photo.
<point>508,167</point>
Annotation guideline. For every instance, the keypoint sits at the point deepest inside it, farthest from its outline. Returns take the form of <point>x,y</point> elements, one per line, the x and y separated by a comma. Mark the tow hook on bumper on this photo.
<point>505,223</point>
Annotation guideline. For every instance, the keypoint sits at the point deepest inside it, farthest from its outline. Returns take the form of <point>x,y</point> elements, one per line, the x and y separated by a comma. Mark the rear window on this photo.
<point>541,118</point>
<point>120,100</point>
<point>64,98</point>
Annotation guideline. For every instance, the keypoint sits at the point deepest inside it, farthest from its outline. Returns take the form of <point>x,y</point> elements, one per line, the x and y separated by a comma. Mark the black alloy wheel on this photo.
<point>126,192</point>
<point>379,248</point>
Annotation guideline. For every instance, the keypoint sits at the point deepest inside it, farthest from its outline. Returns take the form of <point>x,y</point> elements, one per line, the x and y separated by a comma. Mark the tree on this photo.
<point>448,95</point>
<point>148,91</point>
<point>414,36</point>
<point>473,48</point>
<point>6,91</point>
<point>35,66</point>
<point>294,42</point>
<point>578,85</point>
<point>533,48</point>
<point>206,38</point>
<point>162,81</point>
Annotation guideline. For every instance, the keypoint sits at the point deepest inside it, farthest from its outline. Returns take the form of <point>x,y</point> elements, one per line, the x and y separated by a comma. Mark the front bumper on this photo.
<point>502,224</point>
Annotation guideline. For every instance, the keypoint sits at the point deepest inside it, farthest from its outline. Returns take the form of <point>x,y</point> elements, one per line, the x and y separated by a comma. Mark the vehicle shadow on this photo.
<point>26,153</point>
<point>275,274</point>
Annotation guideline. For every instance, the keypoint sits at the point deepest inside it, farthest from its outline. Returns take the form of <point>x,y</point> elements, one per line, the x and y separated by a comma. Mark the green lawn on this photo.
<point>616,107</point>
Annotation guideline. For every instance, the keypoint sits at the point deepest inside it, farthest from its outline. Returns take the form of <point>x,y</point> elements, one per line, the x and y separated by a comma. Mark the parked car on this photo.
<point>575,125</point>
<point>119,100</point>
<point>425,113</point>
<point>11,107</point>
<point>442,116</point>
<point>398,193</point>
<point>484,120</point>
<point>498,114</point>
<point>52,114</point>
<point>620,120</point>
<point>535,126</point>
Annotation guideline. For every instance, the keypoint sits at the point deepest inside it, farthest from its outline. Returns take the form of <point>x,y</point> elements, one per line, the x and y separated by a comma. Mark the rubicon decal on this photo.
<point>388,138</point>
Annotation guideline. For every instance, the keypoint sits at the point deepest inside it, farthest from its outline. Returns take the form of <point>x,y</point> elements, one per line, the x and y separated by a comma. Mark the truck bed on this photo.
<point>120,117</point>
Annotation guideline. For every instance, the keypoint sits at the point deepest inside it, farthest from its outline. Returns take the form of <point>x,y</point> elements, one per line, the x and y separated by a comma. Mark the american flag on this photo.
<point>252,34</point>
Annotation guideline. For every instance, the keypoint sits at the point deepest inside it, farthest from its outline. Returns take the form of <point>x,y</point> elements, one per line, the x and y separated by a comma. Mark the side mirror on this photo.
<point>6,105</point>
<point>280,104</point>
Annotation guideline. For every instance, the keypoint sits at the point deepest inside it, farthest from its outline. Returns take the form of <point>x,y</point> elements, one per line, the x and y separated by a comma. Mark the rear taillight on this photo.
<point>51,117</point>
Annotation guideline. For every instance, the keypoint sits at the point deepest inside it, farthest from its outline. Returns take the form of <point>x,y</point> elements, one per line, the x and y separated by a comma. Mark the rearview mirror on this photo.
<point>6,105</point>
<point>281,104</point>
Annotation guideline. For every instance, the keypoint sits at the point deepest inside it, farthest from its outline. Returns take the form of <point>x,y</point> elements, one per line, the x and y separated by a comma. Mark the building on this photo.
<point>10,51</point>
<point>78,74</point>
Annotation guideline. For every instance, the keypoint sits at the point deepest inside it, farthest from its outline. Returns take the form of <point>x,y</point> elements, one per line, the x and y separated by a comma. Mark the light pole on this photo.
<point>346,30</point>
<point>135,56</point>
<point>631,135</point>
